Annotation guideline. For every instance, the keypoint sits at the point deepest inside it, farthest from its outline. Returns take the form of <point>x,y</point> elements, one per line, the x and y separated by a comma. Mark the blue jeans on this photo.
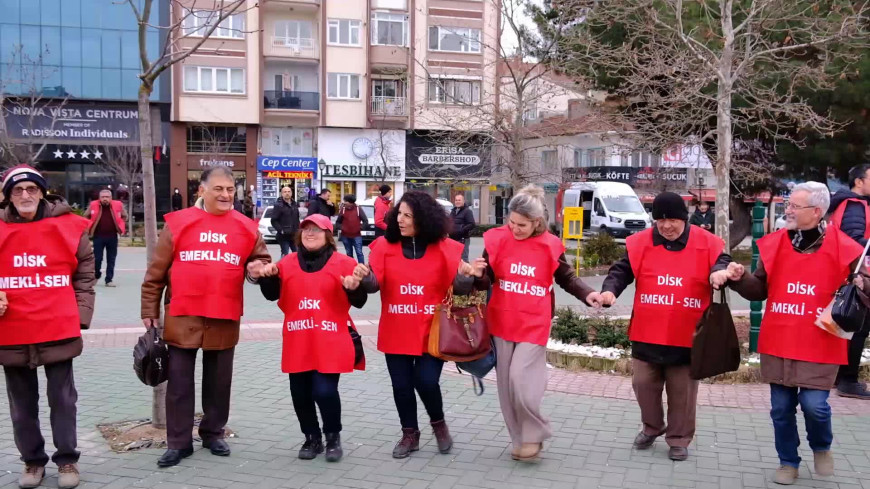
<point>110,246</point>
<point>287,244</point>
<point>817,416</point>
<point>354,243</point>
<point>421,373</point>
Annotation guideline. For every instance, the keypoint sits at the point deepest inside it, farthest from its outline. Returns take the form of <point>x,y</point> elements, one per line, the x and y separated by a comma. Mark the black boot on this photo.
<point>333,447</point>
<point>410,442</point>
<point>312,446</point>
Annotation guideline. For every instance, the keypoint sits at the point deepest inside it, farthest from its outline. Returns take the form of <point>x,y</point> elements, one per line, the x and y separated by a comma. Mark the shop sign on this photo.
<point>286,174</point>
<point>72,121</point>
<point>640,177</point>
<point>207,163</point>
<point>362,171</point>
<point>433,156</point>
<point>287,164</point>
<point>203,161</point>
<point>448,155</point>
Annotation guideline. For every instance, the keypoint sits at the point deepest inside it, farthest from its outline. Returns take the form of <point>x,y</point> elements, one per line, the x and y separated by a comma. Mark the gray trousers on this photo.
<point>521,371</point>
<point>22,387</point>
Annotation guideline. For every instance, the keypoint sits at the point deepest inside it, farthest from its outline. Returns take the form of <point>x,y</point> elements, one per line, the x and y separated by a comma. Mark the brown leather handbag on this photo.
<point>459,333</point>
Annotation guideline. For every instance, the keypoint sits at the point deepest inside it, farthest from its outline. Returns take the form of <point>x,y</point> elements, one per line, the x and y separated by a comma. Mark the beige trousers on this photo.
<point>521,371</point>
<point>648,381</point>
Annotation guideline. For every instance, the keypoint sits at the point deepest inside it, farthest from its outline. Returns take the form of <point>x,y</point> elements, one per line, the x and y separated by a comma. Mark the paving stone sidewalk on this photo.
<point>591,446</point>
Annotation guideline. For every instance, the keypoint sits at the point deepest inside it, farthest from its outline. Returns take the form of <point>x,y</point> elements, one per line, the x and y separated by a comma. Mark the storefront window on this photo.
<point>339,190</point>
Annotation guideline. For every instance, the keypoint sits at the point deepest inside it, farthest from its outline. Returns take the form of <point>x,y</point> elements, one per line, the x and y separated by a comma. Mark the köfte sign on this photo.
<point>641,177</point>
<point>286,163</point>
<point>73,121</point>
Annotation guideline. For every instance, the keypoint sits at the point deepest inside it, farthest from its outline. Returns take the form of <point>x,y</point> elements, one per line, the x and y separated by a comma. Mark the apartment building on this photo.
<point>340,94</point>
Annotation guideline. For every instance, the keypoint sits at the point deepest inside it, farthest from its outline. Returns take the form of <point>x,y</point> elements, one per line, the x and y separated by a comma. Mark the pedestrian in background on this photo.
<point>672,263</point>
<point>108,220</point>
<point>463,223</point>
<point>285,220</point>
<point>40,325</point>
<point>414,265</point>
<point>522,260</point>
<point>800,268</point>
<point>209,248</point>
<point>703,217</point>
<point>351,220</point>
<point>322,204</point>
<point>176,200</point>
<point>383,203</point>
<point>315,289</point>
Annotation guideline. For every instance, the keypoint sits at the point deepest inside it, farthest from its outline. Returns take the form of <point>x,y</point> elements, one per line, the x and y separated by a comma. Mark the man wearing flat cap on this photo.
<point>674,265</point>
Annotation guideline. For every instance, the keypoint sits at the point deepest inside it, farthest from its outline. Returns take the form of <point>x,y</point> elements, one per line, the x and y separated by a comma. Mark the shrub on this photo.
<point>604,247</point>
<point>569,327</point>
<point>609,333</point>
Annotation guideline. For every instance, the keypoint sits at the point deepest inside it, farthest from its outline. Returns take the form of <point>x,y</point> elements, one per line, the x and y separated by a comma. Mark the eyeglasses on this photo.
<point>18,191</point>
<point>790,205</point>
<point>311,230</point>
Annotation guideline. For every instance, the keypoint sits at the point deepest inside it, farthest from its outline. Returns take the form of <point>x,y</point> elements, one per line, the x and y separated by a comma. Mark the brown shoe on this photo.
<point>824,463</point>
<point>31,477</point>
<point>442,436</point>
<point>528,452</point>
<point>643,441</point>
<point>410,442</point>
<point>785,475</point>
<point>67,476</point>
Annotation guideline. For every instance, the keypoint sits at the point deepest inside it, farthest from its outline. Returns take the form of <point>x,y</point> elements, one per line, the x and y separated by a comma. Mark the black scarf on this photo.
<point>804,239</point>
<point>314,261</point>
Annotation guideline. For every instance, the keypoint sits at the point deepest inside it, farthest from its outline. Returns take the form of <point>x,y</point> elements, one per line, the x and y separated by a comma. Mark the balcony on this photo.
<point>390,106</point>
<point>287,100</point>
<point>293,47</point>
<point>300,5</point>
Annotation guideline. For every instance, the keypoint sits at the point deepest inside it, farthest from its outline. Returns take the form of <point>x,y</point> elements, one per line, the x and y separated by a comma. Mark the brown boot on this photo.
<point>824,463</point>
<point>31,477</point>
<point>785,475</point>
<point>410,442</point>
<point>442,436</point>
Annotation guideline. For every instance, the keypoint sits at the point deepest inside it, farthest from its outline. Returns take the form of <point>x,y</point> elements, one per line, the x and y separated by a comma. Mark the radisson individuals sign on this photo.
<point>72,122</point>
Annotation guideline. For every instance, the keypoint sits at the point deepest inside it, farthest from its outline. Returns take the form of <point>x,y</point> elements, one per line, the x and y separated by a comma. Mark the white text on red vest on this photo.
<point>410,309</point>
<point>522,288</point>
<point>35,282</point>
<point>411,289</point>
<point>670,280</point>
<point>304,324</point>
<point>524,270</point>
<point>212,237</point>
<point>802,289</point>
<point>209,255</point>
<point>309,304</point>
<point>26,260</point>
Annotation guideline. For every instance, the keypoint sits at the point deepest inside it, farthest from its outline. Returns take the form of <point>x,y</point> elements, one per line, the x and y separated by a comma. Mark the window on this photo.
<point>448,91</point>
<point>389,29</point>
<point>216,139</point>
<point>641,158</point>
<point>549,159</point>
<point>344,32</point>
<point>214,80</point>
<point>197,22</point>
<point>342,85</point>
<point>293,33</point>
<point>596,157</point>
<point>579,160</point>
<point>454,39</point>
<point>598,208</point>
<point>288,141</point>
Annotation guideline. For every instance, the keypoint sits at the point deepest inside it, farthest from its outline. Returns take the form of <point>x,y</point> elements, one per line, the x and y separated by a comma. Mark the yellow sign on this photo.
<point>572,223</point>
<point>286,174</point>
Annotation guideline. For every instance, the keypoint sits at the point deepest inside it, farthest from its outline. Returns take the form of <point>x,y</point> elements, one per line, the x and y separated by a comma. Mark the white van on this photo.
<point>609,207</point>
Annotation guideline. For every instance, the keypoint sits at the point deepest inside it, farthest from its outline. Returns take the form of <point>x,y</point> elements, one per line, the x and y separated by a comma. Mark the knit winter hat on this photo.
<point>22,173</point>
<point>668,205</point>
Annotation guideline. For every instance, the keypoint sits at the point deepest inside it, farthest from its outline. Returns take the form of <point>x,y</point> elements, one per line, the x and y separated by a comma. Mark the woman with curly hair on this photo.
<point>523,260</point>
<point>414,265</point>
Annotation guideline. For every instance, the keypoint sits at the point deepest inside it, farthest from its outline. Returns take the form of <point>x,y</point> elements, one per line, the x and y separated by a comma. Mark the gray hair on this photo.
<point>819,195</point>
<point>529,203</point>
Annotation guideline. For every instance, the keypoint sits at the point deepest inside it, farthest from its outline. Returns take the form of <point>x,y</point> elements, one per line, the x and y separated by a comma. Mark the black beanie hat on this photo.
<point>668,205</point>
<point>22,173</point>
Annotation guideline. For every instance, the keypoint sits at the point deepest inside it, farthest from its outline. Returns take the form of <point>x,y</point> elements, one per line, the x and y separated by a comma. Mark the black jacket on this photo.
<point>318,205</point>
<point>708,218</point>
<point>854,222</point>
<point>285,217</point>
<point>463,223</point>
<point>176,202</point>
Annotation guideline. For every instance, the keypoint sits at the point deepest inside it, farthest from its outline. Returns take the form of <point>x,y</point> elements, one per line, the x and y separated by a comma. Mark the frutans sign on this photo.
<point>286,163</point>
<point>73,121</point>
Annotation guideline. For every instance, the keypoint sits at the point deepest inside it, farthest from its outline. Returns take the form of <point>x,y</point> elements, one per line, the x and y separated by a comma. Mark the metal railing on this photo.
<point>294,46</point>
<point>285,99</point>
<point>392,106</point>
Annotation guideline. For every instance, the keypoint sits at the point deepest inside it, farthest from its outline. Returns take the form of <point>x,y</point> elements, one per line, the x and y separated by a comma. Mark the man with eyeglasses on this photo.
<point>850,213</point>
<point>46,299</point>
<point>799,270</point>
<point>202,258</point>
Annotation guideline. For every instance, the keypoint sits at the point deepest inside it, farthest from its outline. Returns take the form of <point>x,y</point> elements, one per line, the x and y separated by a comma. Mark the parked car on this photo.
<point>265,226</point>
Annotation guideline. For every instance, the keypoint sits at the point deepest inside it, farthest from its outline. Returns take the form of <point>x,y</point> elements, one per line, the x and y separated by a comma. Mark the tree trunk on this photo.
<point>130,219</point>
<point>724,133</point>
<point>158,405</point>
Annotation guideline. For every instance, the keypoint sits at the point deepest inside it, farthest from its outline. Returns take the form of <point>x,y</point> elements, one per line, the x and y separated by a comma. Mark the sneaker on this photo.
<point>67,476</point>
<point>785,475</point>
<point>312,447</point>
<point>855,390</point>
<point>410,442</point>
<point>31,477</point>
<point>110,284</point>
<point>824,463</point>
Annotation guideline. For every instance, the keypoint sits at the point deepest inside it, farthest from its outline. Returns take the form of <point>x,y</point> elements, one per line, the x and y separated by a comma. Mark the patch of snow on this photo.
<point>588,351</point>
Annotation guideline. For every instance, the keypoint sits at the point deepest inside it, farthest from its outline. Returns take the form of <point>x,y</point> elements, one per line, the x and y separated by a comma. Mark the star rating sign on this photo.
<point>85,155</point>
<point>58,154</point>
<point>71,154</point>
<point>98,154</point>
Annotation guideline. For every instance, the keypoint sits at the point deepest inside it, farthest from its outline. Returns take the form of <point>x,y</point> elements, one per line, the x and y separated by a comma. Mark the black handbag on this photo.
<point>151,358</point>
<point>715,346</point>
<point>358,352</point>
<point>847,310</point>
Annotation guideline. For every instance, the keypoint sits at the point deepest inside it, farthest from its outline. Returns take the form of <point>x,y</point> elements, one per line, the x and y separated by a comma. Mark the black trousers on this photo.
<point>287,244</point>
<point>217,376</point>
<point>310,388</point>
<point>421,373</point>
<point>110,245</point>
<point>22,387</point>
<point>849,373</point>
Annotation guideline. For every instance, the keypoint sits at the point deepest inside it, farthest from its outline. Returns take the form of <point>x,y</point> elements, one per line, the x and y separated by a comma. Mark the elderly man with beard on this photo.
<point>46,299</point>
<point>201,261</point>
<point>799,270</point>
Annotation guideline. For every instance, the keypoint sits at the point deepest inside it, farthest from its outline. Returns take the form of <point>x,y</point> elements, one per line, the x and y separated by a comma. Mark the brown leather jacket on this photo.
<point>83,281</point>
<point>188,331</point>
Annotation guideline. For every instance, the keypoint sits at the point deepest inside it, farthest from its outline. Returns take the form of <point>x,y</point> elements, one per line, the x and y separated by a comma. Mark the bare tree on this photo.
<point>124,162</point>
<point>700,72</point>
<point>191,24</point>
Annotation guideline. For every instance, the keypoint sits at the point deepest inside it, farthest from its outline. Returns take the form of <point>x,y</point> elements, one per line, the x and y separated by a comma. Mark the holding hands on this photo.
<point>352,281</point>
<point>733,273</point>
<point>602,299</point>
<point>4,303</point>
<point>474,269</point>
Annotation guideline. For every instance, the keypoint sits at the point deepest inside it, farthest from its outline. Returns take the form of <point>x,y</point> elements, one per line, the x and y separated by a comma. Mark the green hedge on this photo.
<point>569,327</point>
<point>482,228</point>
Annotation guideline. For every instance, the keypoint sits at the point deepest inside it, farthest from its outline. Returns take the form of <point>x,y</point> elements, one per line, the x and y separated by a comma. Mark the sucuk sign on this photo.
<point>73,121</point>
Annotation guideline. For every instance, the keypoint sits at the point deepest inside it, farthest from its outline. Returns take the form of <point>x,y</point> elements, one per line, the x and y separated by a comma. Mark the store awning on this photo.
<point>704,195</point>
<point>647,197</point>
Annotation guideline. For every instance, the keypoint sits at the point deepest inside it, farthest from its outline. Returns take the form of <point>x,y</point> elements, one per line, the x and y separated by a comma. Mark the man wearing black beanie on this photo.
<point>674,265</point>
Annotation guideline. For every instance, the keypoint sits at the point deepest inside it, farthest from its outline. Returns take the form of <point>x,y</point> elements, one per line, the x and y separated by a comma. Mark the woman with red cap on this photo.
<point>315,288</point>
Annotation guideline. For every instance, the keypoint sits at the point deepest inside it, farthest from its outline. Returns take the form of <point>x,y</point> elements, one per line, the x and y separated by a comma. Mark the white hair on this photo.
<point>819,195</point>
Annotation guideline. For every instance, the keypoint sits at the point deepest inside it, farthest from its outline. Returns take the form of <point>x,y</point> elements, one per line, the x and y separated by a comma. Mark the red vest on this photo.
<point>208,268</point>
<point>116,206</point>
<point>799,287</point>
<point>673,287</point>
<point>316,316</point>
<point>837,216</point>
<point>521,306</point>
<point>36,274</point>
<point>410,290</point>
